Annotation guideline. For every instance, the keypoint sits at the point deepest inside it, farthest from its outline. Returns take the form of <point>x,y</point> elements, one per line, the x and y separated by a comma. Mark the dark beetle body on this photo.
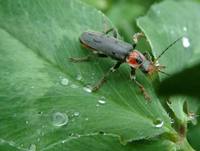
<point>107,45</point>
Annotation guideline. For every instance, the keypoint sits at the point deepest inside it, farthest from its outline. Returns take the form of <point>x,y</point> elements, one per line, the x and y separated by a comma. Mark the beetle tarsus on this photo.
<point>143,90</point>
<point>99,84</point>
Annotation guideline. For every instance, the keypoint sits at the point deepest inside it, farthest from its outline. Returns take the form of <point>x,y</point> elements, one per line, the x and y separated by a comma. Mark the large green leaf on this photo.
<point>193,135</point>
<point>42,97</point>
<point>164,27</point>
<point>165,23</point>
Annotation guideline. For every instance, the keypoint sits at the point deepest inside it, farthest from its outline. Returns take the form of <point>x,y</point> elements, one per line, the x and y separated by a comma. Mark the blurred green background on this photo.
<point>123,13</point>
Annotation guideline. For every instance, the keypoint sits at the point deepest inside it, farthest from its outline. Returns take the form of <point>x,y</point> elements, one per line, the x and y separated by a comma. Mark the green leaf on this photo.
<point>102,5</point>
<point>193,135</point>
<point>164,23</point>
<point>104,143</point>
<point>42,95</point>
<point>162,28</point>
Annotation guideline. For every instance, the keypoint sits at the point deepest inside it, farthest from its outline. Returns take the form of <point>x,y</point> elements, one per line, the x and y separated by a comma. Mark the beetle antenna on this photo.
<point>167,49</point>
<point>163,72</point>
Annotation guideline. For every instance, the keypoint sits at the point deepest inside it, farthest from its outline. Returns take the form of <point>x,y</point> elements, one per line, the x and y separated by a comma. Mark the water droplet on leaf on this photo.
<point>87,89</point>
<point>79,77</point>
<point>59,119</point>
<point>158,123</point>
<point>101,101</point>
<point>76,114</point>
<point>172,121</point>
<point>64,81</point>
<point>185,42</point>
<point>184,28</point>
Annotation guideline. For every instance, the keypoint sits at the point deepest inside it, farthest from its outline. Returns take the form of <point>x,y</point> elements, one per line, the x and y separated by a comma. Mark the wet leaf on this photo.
<point>162,25</point>
<point>43,95</point>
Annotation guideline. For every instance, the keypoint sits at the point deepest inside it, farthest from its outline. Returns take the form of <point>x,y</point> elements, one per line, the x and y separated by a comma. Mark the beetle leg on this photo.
<point>137,36</point>
<point>112,30</point>
<point>103,79</point>
<point>143,90</point>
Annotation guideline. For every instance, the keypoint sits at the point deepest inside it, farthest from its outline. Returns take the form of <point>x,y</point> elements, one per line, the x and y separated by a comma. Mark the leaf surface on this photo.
<point>42,96</point>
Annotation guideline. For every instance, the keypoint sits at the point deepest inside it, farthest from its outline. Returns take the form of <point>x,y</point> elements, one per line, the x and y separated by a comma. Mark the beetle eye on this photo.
<point>139,60</point>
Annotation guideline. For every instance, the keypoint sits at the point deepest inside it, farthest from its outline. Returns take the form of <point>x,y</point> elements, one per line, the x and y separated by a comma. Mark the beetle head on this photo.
<point>150,67</point>
<point>137,60</point>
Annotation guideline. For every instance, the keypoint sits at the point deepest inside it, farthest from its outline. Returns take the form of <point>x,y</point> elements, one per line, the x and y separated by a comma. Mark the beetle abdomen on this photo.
<point>105,44</point>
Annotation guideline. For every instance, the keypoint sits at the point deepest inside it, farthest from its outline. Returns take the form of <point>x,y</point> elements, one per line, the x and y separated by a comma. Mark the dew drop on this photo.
<point>102,102</point>
<point>86,118</point>
<point>158,123</point>
<point>76,114</point>
<point>79,77</point>
<point>185,42</point>
<point>87,89</point>
<point>172,121</point>
<point>59,119</point>
<point>32,147</point>
<point>184,28</point>
<point>27,122</point>
<point>64,81</point>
